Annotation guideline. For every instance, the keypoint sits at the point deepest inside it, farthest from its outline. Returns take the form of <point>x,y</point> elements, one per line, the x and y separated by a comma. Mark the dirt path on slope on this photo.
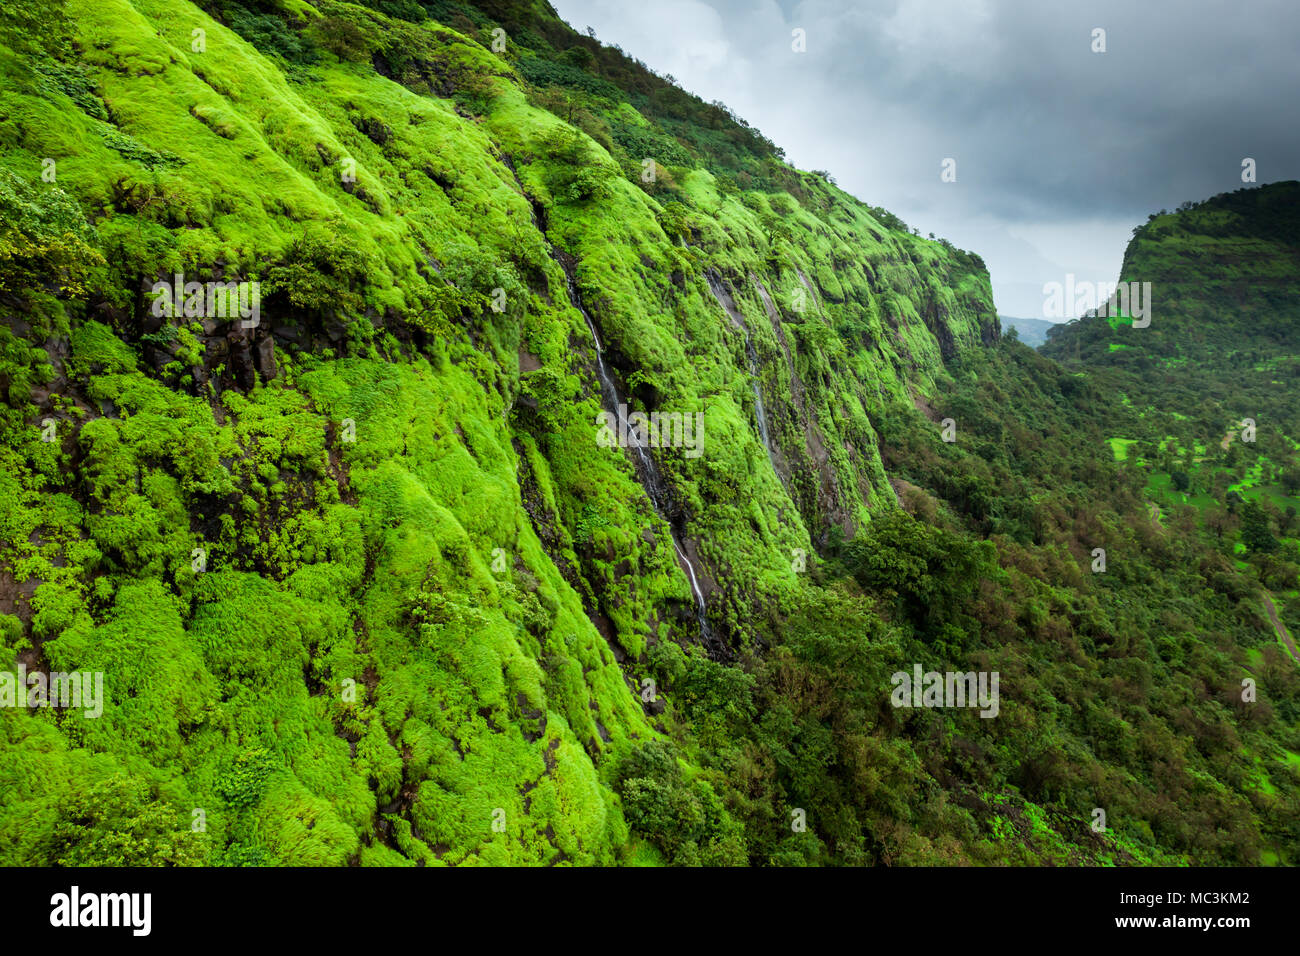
<point>1279,626</point>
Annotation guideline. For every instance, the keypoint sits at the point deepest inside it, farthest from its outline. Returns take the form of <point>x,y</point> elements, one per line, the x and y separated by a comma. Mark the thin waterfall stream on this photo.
<point>645,466</point>
<point>728,304</point>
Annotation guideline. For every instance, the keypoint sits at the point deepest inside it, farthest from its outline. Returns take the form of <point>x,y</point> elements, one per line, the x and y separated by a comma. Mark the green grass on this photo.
<point>1120,447</point>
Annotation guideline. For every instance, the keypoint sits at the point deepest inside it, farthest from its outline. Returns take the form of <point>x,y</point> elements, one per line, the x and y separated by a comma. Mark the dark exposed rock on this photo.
<point>265,359</point>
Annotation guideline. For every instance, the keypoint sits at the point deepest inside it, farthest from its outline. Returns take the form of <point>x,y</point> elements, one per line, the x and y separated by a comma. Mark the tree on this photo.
<point>341,37</point>
<point>46,246</point>
<point>573,172</point>
<point>578,56</point>
<point>931,573</point>
<point>1255,532</point>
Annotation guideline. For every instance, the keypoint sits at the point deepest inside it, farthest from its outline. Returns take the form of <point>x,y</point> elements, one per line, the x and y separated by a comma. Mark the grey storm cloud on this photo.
<point>1060,150</point>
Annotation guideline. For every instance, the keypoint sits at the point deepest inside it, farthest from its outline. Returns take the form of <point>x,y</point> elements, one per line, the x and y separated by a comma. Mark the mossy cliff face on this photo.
<point>362,577</point>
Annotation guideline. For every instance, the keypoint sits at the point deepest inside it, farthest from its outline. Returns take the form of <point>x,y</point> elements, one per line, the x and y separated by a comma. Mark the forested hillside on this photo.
<point>368,582</point>
<point>1205,406</point>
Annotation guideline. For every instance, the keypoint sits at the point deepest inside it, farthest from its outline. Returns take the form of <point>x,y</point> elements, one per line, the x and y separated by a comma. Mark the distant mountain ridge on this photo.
<point>1223,271</point>
<point>1033,332</point>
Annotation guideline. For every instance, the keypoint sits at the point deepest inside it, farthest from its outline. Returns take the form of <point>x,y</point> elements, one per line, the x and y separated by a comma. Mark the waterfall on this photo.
<point>759,412</point>
<point>645,466</point>
<point>728,304</point>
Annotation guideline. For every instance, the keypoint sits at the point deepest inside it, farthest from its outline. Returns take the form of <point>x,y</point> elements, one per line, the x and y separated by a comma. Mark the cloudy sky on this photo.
<point>1060,151</point>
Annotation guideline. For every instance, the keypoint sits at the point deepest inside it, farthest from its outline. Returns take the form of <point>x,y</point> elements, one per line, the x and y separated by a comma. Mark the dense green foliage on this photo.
<point>1206,412</point>
<point>365,588</point>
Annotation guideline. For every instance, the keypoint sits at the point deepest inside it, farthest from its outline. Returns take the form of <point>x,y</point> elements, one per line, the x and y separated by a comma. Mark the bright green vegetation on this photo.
<point>1120,447</point>
<point>363,586</point>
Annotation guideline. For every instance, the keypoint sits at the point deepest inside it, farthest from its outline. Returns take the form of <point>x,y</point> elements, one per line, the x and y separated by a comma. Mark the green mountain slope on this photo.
<point>418,566</point>
<point>368,583</point>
